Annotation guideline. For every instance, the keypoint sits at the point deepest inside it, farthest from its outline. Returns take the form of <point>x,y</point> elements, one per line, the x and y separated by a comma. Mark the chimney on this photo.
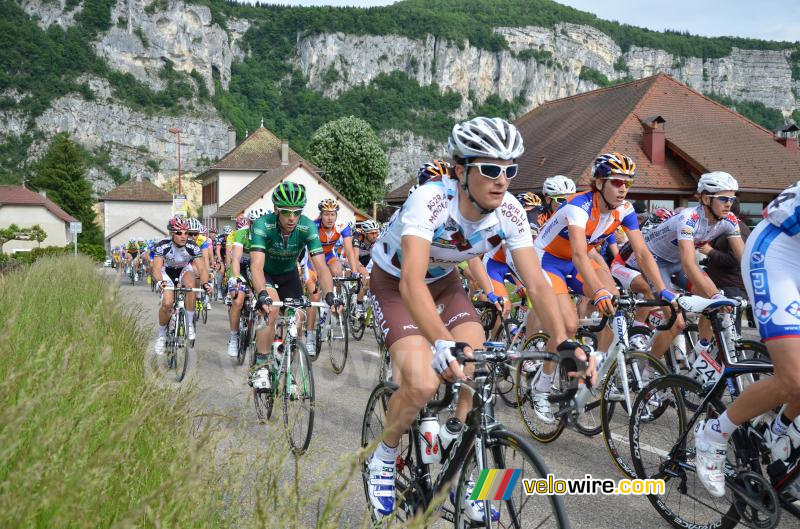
<point>44,194</point>
<point>284,152</point>
<point>231,138</point>
<point>654,139</point>
<point>787,136</point>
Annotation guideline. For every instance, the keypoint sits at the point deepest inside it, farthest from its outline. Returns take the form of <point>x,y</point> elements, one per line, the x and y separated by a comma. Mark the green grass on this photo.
<point>91,438</point>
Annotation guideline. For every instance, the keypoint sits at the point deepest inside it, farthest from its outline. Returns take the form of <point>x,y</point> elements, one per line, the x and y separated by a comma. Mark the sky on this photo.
<point>764,19</point>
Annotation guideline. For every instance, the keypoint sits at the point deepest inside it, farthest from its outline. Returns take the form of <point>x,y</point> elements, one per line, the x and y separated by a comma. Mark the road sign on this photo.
<point>75,227</point>
<point>180,206</point>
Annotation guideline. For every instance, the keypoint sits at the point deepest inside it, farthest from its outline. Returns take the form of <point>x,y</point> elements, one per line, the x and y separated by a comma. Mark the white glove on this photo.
<point>442,355</point>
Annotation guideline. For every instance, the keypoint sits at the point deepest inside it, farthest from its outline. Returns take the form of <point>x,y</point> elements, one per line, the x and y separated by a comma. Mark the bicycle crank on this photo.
<point>755,500</point>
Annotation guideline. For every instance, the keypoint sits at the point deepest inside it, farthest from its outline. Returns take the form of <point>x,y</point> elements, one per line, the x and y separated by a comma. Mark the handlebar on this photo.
<point>634,303</point>
<point>184,289</point>
<point>299,303</point>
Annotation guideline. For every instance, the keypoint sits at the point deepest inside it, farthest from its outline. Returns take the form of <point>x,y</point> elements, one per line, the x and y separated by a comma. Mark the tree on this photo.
<point>62,174</point>
<point>14,232</point>
<point>349,152</point>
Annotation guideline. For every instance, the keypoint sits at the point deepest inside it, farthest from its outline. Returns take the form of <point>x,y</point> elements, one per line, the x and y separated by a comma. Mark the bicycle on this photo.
<point>483,444</point>
<point>290,377</point>
<point>201,309</point>
<point>620,376</point>
<point>662,406</point>
<point>176,352</point>
<point>337,329</point>
<point>247,326</point>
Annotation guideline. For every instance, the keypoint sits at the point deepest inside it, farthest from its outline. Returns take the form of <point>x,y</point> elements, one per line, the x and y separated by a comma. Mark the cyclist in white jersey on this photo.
<point>418,296</point>
<point>771,273</point>
<point>673,243</point>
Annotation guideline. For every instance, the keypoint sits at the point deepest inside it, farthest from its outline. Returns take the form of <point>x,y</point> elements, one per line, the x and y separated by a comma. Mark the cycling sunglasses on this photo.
<point>619,182</point>
<point>724,199</point>
<point>180,233</point>
<point>290,212</point>
<point>558,200</point>
<point>493,171</point>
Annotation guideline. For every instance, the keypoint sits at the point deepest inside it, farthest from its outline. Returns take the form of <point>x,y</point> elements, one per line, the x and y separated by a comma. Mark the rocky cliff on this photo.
<point>541,64</point>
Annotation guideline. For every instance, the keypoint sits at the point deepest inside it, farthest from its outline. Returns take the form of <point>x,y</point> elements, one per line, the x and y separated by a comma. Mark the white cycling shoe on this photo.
<point>474,510</point>
<point>190,333</point>
<point>710,460</point>
<point>381,488</point>
<point>161,345</point>
<point>233,346</point>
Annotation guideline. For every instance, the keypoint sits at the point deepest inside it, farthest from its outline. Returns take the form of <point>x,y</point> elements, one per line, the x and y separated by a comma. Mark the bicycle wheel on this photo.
<point>319,329</point>
<point>640,369</point>
<point>181,346</point>
<point>338,338</point>
<point>356,322</point>
<point>505,385</point>
<point>385,372</point>
<point>409,499</point>
<point>652,436</point>
<point>506,450</point>
<point>298,398</point>
<point>244,338</point>
<point>204,315</point>
<point>264,399</point>
<point>539,430</point>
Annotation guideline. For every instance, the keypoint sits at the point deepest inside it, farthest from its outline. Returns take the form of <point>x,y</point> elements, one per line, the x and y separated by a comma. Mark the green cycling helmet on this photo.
<point>289,195</point>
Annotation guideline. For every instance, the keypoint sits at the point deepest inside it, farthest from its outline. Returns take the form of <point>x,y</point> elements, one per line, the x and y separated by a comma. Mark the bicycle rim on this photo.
<point>506,450</point>
<point>505,384</point>
<point>181,348</point>
<point>539,430</point>
<point>298,400</point>
<point>244,341</point>
<point>263,400</point>
<point>338,337</point>
<point>613,410</point>
<point>685,502</point>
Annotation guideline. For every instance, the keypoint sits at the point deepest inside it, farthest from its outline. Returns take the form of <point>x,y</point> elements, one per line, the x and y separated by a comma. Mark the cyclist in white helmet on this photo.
<point>443,223</point>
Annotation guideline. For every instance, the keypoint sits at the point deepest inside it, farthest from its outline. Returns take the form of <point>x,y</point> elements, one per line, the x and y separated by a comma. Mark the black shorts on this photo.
<point>287,285</point>
<point>364,259</point>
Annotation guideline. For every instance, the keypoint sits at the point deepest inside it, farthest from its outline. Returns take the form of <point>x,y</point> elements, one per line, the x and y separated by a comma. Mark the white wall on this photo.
<point>140,229</point>
<point>26,216</point>
<point>231,182</point>
<point>316,192</point>
<point>119,212</point>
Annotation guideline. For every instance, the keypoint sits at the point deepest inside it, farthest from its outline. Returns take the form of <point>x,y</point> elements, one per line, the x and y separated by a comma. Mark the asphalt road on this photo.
<point>222,391</point>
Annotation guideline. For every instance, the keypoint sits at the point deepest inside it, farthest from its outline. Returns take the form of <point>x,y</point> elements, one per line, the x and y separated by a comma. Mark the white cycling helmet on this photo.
<point>717,181</point>
<point>485,138</point>
<point>227,229</point>
<point>195,225</point>
<point>558,185</point>
<point>369,225</point>
<point>255,213</point>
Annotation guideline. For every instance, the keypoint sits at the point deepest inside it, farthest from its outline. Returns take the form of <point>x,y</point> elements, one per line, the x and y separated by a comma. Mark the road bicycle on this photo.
<point>661,437</point>
<point>332,327</point>
<point>287,375</point>
<point>176,352</point>
<point>483,443</point>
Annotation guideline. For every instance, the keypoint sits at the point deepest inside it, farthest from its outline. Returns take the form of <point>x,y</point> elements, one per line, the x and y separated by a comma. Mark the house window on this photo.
<point>210,193</point>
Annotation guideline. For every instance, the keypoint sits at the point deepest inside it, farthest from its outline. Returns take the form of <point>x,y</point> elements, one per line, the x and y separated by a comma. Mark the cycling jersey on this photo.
<point>583,210</point>
<point>202,241</point>
<point>364,247</point>
<point>281,250</point>
<point>784,211</point>
<point>132,248</point>
<point>690,224</point>
<point>537,217</point>
<point>332,238</point>
<point>432,213</point>
<point>242,238</point>
<point>220,241</point>
<point>177,256</point>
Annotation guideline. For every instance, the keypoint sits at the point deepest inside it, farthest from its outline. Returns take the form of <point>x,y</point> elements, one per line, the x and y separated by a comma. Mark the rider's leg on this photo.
<point>471,333</point>
<point>266,336</point>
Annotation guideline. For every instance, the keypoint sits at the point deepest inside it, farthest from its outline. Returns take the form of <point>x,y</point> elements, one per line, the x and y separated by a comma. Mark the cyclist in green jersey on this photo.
<point>240,278</point>
<point>276,241</point>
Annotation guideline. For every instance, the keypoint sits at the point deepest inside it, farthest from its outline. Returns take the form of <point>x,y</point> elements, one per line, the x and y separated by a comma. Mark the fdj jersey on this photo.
<point>281,252</point>
<point>784,211</point>
<point>432,213</point>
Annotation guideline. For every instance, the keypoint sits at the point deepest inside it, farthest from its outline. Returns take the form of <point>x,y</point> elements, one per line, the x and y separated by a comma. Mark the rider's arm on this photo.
<point>158,263</point>
<point>701,283</point>
<point>477,269</point>
<point>323,273</point>
<point>645,259</point>
<point>415,293</point>
<point>581,259</point>
<point>737,247</point>
<point>350,252</point>
<point>539,289</point>
<point>238,250</point>
<point>257,258</point>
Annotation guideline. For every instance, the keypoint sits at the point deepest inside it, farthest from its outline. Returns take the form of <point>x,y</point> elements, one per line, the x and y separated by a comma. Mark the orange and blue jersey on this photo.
<point>553,245</point>
<point>331,238</point>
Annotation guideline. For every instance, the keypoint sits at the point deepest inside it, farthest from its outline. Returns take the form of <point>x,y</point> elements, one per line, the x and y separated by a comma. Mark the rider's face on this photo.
<point>614,190</point>
<point>180,237</point>
<point>720,208</point>
<point>371,236</point>
<point>328,218</point>
<point>288,222</point>
<point>487,191</point>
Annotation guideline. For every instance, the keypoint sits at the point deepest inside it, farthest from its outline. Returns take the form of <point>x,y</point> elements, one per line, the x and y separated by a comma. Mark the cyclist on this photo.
<point>221,249</point>
<point>674,241</point>
<point>115,256</point>
<point>332,233</point>
<point>771,276</point>
<point>132,257</point>
<point>555,190</point>
<point>433,169</point>
<point>276,241</point>
<point>443,223</point>
<point>241,222</point>
<point>240,279</point>
<point>364,241</point>
<point>564,245</point>
<point>172,264</point>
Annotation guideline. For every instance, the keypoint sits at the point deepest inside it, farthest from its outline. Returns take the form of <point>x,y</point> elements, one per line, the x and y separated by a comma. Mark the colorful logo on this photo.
<point>495,485</point>
<point>764,311</point>
<point>794,309</point>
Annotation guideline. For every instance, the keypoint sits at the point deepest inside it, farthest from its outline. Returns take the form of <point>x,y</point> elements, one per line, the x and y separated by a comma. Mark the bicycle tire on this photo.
<point>205,311</point>
<point>318,336</point>
<point>649,450</point>
<point>338,355</point>
<point>542,432</point>
<point>505,384</point>
<point>304,394</point>
<point>264,401</point>
<point>244,339</point>
<point>181,346</point>
<point>357,325</point>
<point>507,450</point>
<point>408,498</point>
<point>615,433</point>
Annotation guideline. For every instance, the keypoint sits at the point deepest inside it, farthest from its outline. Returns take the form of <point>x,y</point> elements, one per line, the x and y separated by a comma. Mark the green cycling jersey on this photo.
<point>281,252</point>
<point>242,238</point>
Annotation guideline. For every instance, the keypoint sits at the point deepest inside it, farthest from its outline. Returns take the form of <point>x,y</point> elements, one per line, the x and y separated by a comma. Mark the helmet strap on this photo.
<point>710,210</point>
<point>603,196</point>
<point>465,187</point>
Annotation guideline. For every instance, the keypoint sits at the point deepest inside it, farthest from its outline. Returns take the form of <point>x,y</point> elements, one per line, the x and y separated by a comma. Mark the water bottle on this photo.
<point>429,440</point>
<point>705,369</point>
<point>452,429</point>
<point>277,349</point>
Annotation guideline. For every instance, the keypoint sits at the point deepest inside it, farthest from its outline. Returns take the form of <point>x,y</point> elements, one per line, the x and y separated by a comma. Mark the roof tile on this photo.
<point>137,191</point>
<point>21,196</point>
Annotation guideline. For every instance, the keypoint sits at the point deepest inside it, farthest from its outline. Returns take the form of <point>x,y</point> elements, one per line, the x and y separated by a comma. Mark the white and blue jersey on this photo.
<point>771,270</point>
